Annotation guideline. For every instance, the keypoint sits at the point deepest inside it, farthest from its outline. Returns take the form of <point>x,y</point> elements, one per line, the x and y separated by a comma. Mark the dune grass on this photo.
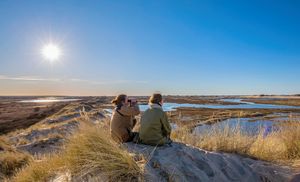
<point>11,160</point>
<point>90,153</point>
<point>278,146</point>
<point>40,170</point>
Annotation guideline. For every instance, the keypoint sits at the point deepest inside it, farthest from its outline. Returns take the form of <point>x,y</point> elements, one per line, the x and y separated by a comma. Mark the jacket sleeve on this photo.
<point>130,111</point>
<point>166,125</point>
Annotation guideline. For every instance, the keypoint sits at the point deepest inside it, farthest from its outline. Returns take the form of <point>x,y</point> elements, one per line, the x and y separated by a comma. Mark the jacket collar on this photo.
<point>152,105</point>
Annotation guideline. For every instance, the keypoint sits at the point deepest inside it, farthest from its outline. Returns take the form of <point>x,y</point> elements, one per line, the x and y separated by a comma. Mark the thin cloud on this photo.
<point>27,78</point>
<point>34,78</point>
<point>108,81</point>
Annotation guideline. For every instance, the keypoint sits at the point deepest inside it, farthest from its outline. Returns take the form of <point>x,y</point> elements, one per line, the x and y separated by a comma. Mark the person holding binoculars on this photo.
<point>123,118</point>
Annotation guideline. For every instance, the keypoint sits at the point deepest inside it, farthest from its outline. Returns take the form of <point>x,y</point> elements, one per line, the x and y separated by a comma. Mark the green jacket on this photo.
<point>155,128</point>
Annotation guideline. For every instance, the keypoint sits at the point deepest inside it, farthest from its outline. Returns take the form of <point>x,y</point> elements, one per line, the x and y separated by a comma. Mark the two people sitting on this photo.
<point>155,128</point>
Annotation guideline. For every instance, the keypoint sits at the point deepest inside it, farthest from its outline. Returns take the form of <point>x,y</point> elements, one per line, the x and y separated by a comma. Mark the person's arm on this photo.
<point>130,111</point>
<point>166,125</point>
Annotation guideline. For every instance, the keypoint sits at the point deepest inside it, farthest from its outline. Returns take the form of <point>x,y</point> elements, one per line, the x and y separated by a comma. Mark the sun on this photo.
<point>51,52</point>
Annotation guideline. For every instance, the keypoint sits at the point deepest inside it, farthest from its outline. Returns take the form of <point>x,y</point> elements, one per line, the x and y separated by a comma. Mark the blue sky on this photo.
<point>139,47</point>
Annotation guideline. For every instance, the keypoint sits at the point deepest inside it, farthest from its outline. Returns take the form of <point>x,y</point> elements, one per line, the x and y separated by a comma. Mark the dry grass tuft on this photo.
<point>10,159</point>
<point>40,170</point>
<point>281,145</point>
<point>290,136</point>
<point>90,153</point>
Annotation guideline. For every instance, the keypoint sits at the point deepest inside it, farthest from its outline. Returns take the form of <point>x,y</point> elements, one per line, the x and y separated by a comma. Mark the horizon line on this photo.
<point>150,94</point>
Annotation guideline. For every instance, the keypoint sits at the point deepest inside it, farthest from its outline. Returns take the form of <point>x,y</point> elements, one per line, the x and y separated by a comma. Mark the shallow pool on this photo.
<point>242,105</point>
<point>245,125</point>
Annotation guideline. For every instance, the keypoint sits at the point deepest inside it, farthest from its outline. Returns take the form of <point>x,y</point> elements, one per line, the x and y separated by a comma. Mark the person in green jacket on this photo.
<point>155,128</point>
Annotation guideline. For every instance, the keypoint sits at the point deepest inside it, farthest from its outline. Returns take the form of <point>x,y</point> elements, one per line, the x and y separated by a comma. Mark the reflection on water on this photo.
<point>166,107</point>
<point>244,124</point>
<point>242,105</point>
<point>237,101</point>
<point>51,99</point>
<point>108,112</point>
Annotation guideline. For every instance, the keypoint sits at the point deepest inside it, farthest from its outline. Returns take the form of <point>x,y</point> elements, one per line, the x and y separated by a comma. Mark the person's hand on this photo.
<point>133,102</point>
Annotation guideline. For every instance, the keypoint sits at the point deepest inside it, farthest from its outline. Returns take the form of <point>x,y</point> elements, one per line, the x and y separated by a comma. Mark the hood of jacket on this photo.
<point>153,105</point>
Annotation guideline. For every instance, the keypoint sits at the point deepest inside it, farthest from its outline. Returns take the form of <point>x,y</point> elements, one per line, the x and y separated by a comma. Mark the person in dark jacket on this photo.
<point>123,120</point>
<point>155,128</point>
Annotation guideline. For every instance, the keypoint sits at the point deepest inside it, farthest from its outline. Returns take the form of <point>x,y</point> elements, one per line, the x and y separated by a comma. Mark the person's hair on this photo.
<point>119,99</point>
<point>155,98</point>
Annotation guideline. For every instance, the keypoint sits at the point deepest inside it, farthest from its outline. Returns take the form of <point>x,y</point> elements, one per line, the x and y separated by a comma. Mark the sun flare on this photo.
<point>51,52</point>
